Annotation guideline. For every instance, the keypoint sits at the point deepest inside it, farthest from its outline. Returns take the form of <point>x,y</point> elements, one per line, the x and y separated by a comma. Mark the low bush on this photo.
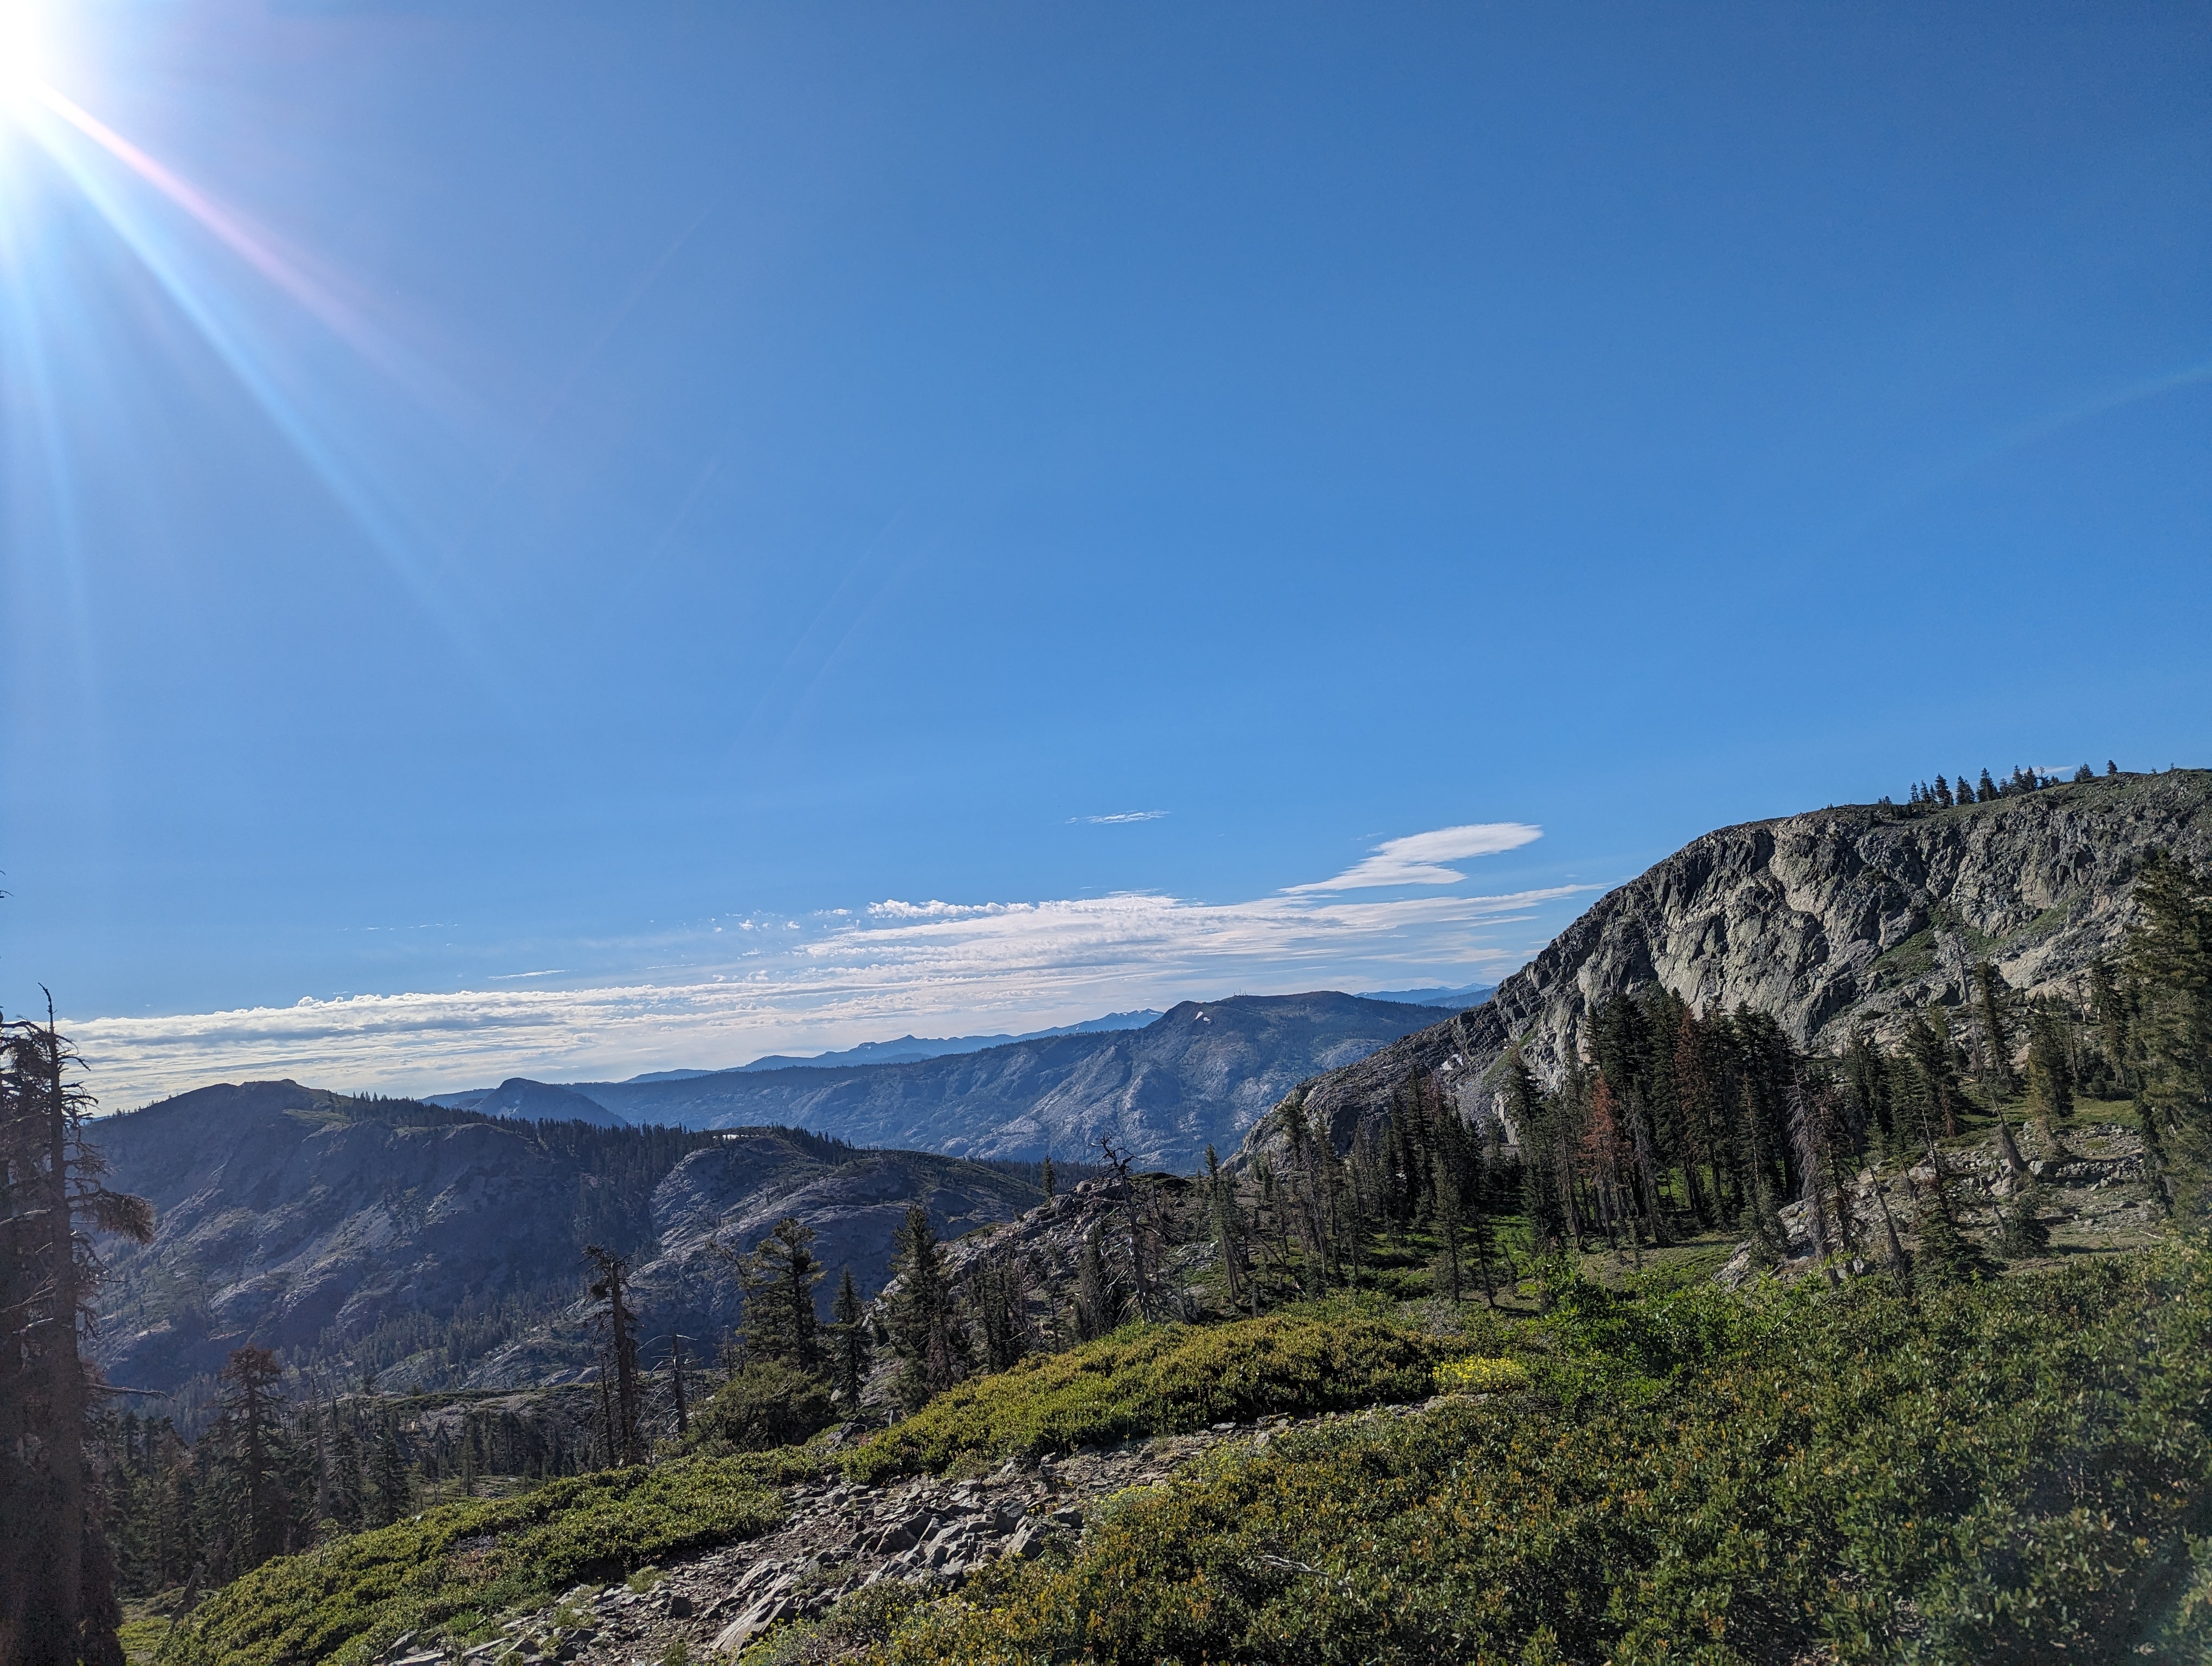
<point>2007,1472</point>
<point>1477,1375</point>
<point>452,1568</point>
<point>1159,1379</point>
<point>763,1406</point>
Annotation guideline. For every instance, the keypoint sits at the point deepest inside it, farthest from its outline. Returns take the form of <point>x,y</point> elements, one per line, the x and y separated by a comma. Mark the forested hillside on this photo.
<point>414,1246</point>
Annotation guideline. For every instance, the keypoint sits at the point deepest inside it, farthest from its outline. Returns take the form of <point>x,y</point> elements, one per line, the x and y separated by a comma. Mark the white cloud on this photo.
<point>1125,816</point>
<point>932,968</point>
<point>1418,858</point>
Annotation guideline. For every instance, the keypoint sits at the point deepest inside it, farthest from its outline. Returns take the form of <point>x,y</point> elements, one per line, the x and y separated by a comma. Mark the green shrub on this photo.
<point>2004,1472</point>
<point>763,1406</point>
<point>452,1568</point>
<point>1476,1375</point>
<point>1154,1379</point>
<point>867,1616</point>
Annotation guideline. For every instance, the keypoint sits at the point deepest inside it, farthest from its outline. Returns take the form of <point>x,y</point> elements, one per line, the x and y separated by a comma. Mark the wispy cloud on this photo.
<point>1124,816</point>
<point>1419,859</point>
<point>927,966</point>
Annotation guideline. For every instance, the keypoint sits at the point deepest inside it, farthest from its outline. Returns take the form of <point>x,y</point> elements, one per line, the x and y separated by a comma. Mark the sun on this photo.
<point>22,53</point>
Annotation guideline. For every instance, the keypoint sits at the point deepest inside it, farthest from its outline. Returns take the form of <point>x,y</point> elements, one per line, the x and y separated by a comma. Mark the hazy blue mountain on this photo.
<point>1458,998</point>
<point>907,1049</point>
<point>1200,1074</point>
<point>532,1102</point>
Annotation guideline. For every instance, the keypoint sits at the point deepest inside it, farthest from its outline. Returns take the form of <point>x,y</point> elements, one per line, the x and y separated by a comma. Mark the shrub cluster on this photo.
<point>1157,1379</point>
<point>451,1568</point>
<point>2006,1472</point>
<point>1478,1375</point>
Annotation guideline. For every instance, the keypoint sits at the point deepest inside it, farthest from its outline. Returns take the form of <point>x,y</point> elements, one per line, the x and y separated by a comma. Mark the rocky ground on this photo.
<point>2096,1194</point>
<point>838,1538</point>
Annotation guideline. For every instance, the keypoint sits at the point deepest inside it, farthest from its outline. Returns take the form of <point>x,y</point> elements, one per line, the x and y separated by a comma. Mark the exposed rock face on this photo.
<point>292,1217</point>
<point>1821,920</point>
<point>1203,1073</point>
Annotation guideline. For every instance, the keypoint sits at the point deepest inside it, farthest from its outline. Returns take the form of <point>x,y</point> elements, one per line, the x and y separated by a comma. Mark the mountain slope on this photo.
<point>1202,1073</point>
<point>1821,920</point>
<point>444,1247</point>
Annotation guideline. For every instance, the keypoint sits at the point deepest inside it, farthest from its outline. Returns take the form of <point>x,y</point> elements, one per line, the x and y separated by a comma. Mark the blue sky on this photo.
<point>512,517</point>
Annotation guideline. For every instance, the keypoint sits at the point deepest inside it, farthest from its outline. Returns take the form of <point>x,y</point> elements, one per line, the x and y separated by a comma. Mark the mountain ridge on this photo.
<point>1855,912</point>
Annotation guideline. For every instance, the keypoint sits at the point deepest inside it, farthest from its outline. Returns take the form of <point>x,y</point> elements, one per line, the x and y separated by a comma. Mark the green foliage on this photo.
<point>2003,1472</point>
<point>1479,1375</point>
<point>1151,1379</point>
<point>866,1617</point>
<point>450,1569</point>
<point>765,1404</point>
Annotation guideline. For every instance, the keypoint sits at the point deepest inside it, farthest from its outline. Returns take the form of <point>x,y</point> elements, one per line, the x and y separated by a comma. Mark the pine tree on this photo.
<point>58,1601</point>
<point>1989,788</point>
<point>1966,790</point>
<point>925,1331</point>
<point>251,1408</point>
<point>2050,1072</point>
<point>2169,964</point>
<point>1943,792</point>
<point>2111,767</point>
<point>624,1443</point>
<point>849,1348</point>
<point>2085,773</point>
<point>779,1279</point>
<point>392,1490</point>
<point>1228,1231</point>
<point>1947,1254</point>
<point>1097,1303</point>
<point>2025,1234</point>
<point>1048,1179</point>
<point>1997,1035</point>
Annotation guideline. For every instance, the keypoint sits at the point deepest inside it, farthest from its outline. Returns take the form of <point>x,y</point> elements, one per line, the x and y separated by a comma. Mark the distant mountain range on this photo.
<point>1161,1086</point>
<point>1458,997</point>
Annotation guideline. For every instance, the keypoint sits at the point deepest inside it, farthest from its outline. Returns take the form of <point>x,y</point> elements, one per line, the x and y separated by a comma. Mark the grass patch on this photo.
<point>2012,1472</point>
<point>1161,1379</point>
<point>451,1570</point>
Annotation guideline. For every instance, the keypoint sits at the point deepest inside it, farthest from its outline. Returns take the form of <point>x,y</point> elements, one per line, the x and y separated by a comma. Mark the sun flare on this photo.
<point>22,53</point>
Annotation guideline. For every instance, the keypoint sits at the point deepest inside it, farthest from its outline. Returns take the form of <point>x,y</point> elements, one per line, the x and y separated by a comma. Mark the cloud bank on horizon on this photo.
<point>840,978</point>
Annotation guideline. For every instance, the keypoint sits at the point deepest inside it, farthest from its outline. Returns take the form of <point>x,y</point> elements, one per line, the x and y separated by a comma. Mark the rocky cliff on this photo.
<point>1821,920</point>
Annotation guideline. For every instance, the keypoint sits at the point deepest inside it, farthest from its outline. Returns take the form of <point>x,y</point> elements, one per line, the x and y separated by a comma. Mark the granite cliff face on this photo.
<point>1822,920</point>
<point>444,1247</point>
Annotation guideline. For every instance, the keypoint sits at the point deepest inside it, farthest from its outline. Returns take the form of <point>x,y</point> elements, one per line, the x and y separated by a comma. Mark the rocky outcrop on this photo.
<point>1201,1074</point>
<point>1849,914</point>
<point>929,1533</point>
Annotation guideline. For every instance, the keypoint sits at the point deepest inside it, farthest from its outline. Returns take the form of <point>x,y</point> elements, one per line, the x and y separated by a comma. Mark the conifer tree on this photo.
<point>926,1332</point>
<point>779,1279</point>
<point>58,1601</point>
<point>1947,1254</point>
<point>849,1346</point>
<point>1966,789</point>
<point>1989,788</point>
<point>1943,792</point>
<point>252,1405</point>
<point>2024,1234</point>
<point>1096,1302</point>
<point>1997,1035</point>
<point>624,1443</point>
